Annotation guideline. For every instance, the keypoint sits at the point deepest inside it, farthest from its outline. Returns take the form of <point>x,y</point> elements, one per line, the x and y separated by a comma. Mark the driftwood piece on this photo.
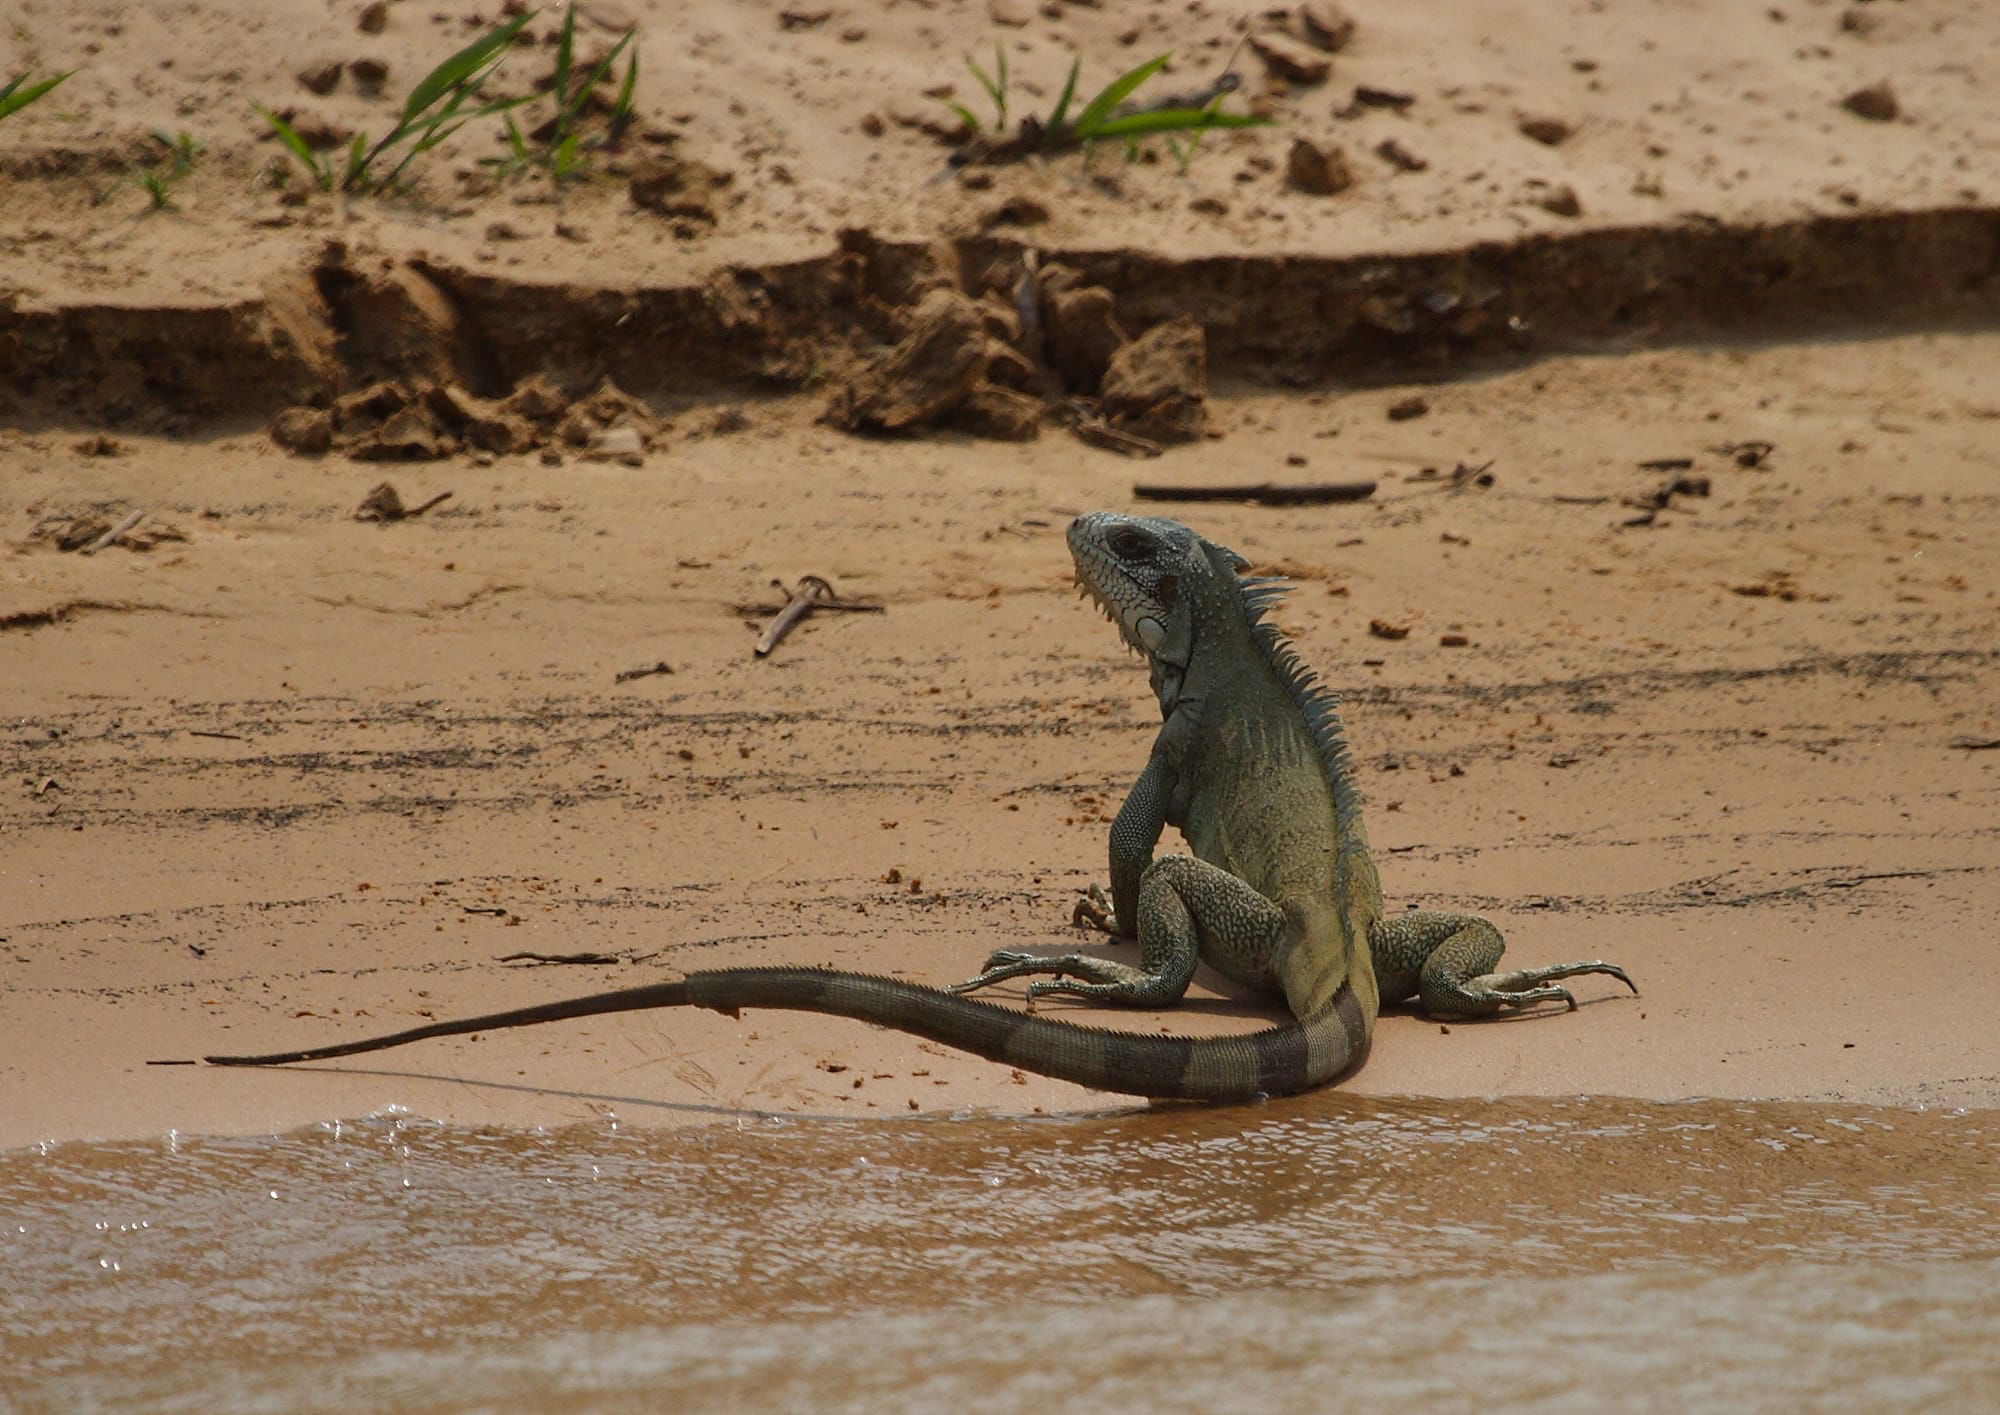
<point>111,536</point>
<point>1263,493</point>
<point>812,592</point>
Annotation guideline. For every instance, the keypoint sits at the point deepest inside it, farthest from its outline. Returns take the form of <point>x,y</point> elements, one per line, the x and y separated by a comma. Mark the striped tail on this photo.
<point>1282,1060</point>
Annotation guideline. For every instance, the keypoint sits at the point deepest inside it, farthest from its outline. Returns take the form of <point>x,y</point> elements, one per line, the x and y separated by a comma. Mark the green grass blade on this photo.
<point>965,116</point>
<point>320,168</point>
<point>589,85</point>
<point>986,80</point>
<point>622,109</point>
<point>1089,123</point>
<point>565,52</point>
<point>1061,110</point>
<point>287,134</point>
<point>486,50</point>
<point>1173,120</point>
<point>13,101</point>
<point>355,177</point>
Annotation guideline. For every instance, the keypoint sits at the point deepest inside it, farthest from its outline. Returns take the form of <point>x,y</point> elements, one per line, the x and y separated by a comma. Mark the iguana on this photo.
<point>1280,892</point>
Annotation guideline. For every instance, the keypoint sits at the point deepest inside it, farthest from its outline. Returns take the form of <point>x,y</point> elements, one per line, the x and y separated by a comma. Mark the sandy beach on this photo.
<point>1670,633</point>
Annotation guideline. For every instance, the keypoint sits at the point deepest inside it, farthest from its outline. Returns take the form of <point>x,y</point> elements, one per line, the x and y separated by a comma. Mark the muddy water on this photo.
<point>1308,1254</point>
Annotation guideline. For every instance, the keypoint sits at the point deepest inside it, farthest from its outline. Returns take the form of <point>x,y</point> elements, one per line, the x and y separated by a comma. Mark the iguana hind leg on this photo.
<point>1187,910</point>
<point>1447,961</point>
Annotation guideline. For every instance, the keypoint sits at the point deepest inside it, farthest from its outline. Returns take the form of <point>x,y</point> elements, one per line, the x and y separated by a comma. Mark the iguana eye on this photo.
<point>1130,545</point>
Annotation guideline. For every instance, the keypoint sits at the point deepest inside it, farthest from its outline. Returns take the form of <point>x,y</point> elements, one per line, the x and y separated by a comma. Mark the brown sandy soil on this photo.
<point>285,776</point>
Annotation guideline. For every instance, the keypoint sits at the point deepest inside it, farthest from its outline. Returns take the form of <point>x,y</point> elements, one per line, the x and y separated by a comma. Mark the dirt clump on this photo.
<point>1317,169</point>
<point>688,193</point>
<point>925,376</point>
<point>395,421</point>
<point>1156,386</point>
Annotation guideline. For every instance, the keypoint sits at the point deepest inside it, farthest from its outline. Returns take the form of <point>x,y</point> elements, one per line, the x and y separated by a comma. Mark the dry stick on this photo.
<point>532,957</point>
<point>813,592</point>
<point>1263,493</point>
<point>1099,433</point>
<point>116,531</point>
<point>627,675</point>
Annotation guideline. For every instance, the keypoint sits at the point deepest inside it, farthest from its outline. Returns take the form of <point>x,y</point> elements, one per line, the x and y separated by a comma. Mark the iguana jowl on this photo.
<point>1280,892</point>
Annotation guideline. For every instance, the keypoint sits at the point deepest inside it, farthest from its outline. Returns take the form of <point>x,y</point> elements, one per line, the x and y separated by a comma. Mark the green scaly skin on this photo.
<point>1280,892</point>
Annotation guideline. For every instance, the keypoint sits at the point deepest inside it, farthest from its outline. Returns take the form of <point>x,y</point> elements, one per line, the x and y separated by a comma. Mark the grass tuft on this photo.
<point>1108,115</point>
<point>435,109</point>
<point>13,98</point>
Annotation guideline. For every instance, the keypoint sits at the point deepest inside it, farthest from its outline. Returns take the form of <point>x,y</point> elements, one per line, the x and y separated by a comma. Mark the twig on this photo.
<point>219,736</point>
<point>627,675</point>
<point>385,504</point>
<point>813,592</point>
<point>1976,744</point>
<point>585,958</point>
<point>1263,493</point>
<point>1666,464</point>
<point>1099,433</point>
<point>116,531</point>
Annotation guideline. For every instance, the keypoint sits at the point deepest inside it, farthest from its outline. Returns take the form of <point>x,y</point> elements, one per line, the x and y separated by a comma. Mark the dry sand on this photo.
<point>285,776</point>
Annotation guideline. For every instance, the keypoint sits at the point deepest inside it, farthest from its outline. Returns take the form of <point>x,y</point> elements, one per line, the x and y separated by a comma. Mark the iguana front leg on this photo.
<point>1186,910</point>
<point>1446,961</point>
<point>1134,832</point>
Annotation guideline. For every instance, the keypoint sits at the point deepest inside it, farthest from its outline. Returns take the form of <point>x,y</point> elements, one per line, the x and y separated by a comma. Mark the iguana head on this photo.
<point>1150,576</point>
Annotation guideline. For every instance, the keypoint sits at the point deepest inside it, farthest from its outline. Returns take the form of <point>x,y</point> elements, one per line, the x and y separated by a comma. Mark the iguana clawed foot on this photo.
<point>1100,979</point>
<point>1524,987</point>
<point>1002,964</point>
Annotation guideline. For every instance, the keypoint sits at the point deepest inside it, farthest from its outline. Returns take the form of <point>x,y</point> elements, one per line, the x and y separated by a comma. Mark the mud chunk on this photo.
<point>359,411</point>
<point>321,78</point>
<point>1014,13</point>
<point>617,444</point>
<point>1388,629</point>
<point>369,75</point>
<point>305,430</point>
<point>1015,211</point>
<point>1399,157</point>
<point>797,17</point>
<point>1326,25</point>
<point>1404,409</point>
<point>1289,59</point>
<point>408,435</point>
<point>679,188</point>
<point>1003,414</point>
<point>479,421</point>
<point>1877,103</point>
<point>1080,334</point>
<point>610,405</point>
<point>536,399</point>
<point>929,373</point>
<point>1155,385</point>
<point>374,17</point>
<point>872,125</point>
<point>1560,201</point>
<point>1856,20</point>
<point>1544,128</point>
<point>1317,169</point>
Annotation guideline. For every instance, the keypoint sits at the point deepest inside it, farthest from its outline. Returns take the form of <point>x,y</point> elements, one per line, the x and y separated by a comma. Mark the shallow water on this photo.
<point>1305,1254</point>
